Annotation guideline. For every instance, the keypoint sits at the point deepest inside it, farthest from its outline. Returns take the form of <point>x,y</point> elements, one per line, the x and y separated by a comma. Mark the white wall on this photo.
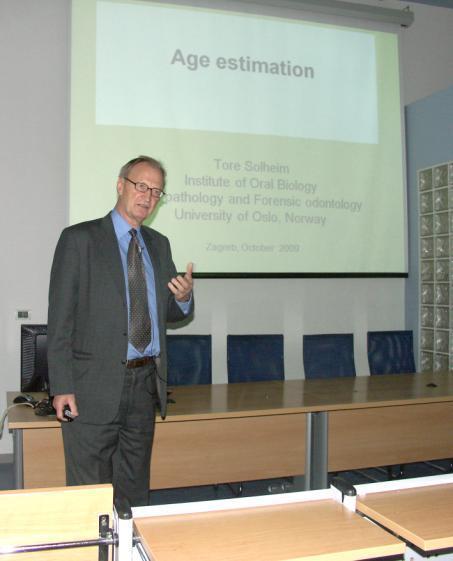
<point>34,100</point>
<point>33,165</point>
<point>294,307</point>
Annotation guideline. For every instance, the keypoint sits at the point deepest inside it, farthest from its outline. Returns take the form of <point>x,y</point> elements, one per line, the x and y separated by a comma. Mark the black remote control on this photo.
<point>67,413</point>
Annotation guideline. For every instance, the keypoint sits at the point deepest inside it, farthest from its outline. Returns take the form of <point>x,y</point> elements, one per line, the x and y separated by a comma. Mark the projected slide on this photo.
<point>281,138</point>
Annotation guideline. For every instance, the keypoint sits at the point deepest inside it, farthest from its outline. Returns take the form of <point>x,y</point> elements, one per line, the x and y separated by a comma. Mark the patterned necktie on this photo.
<point>139,321</point>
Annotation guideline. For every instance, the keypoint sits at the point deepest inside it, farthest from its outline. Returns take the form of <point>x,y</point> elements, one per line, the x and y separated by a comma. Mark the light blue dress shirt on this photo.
<point>122,228</point>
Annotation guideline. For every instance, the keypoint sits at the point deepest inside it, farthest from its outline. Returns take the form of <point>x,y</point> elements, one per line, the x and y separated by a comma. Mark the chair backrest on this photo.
<point>390,352</point>
<point>189,360</point>
<point>255,358</point>
<point>328,355</point>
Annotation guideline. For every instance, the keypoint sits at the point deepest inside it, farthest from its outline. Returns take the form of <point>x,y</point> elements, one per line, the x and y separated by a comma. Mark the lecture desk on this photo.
<point>238,432</point>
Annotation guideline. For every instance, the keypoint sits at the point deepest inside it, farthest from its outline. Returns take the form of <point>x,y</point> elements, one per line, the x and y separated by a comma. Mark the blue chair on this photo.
<point>390,352</point>
<point>328,355</point>
<point>189,360</point>
<point>255,358</point>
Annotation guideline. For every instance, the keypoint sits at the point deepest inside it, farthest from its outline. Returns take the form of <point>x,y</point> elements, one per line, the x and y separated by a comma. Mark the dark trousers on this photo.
<point>118,452</point>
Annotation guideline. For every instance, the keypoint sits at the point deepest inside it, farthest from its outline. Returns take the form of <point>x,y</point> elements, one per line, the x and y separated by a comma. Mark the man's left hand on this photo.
<point>182,286</point>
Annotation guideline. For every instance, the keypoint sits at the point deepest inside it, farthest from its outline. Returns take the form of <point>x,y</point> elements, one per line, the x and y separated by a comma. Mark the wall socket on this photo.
<point>23,314</point>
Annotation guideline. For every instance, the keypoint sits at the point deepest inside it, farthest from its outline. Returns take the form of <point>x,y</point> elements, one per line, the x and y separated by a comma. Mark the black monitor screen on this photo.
<point>33,371</point>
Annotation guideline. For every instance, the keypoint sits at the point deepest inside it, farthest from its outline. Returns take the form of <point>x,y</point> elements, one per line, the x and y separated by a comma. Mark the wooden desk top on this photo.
<point>283,397</point>
<point>423,516</point>
<point>59,514</point>
<point>318,530</point>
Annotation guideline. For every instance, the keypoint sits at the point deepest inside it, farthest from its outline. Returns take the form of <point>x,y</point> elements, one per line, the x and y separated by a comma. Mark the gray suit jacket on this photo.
<point>88,320</point>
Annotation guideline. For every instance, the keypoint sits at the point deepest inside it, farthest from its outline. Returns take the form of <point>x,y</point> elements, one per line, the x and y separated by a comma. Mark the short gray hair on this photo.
<point>124,171</point>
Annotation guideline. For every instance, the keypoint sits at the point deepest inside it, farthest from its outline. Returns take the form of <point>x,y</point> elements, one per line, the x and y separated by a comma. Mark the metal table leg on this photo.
<point>18,458</point>
<point>316,451</point>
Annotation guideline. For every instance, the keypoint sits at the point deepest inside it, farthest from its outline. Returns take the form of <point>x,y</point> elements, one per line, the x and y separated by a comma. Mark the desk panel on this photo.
<point>227,450</point>
<point>191,452</point>
<point>43,458</point>
<point>389,435</point>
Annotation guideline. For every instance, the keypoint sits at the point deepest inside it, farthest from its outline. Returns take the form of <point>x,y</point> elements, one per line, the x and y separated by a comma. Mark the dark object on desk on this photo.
<point>431,385</point>
<point>45,408</point>
<point>25,398</point>
<point>33,358</point>
<point>345,487</point>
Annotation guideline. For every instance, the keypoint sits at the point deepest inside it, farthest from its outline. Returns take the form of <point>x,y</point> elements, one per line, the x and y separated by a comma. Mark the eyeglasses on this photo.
<point>143,188</point>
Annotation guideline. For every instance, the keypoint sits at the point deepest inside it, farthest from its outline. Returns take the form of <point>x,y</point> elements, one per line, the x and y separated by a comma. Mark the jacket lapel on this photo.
<point>110,253</point>
<point>151,246</point>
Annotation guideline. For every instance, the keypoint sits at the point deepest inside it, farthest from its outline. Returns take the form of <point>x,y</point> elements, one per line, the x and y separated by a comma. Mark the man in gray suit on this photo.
<point>110,386</point>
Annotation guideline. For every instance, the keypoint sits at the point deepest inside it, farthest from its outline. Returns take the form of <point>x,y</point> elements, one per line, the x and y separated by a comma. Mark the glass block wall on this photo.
<point>436,267</point>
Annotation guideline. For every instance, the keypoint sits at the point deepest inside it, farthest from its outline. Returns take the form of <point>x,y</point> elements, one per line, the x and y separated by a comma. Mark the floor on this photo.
<point>6,476</point>
<point>262,487</point>
<point>282,485</point>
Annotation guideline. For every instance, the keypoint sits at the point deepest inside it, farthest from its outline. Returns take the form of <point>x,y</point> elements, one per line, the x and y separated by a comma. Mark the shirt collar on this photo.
<point>121,226</point>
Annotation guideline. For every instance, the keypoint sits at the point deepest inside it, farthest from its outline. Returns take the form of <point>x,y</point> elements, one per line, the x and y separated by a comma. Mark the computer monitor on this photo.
<point>33,367</point>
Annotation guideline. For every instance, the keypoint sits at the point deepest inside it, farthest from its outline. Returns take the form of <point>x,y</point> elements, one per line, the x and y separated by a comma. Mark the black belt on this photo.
<point>138,362</point>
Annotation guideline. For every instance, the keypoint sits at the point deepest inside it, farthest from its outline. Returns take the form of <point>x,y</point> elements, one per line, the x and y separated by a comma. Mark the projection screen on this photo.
<point>282,138</point>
